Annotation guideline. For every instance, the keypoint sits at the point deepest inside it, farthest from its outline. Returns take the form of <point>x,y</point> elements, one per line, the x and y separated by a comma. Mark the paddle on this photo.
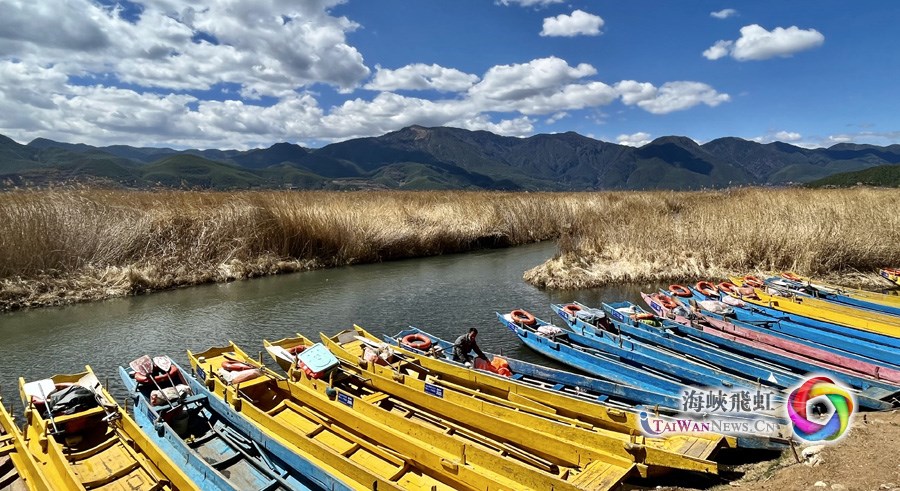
<point>91,383</point>
<point>49,412</point>
<point>144,366</point>
<point>165,364</point>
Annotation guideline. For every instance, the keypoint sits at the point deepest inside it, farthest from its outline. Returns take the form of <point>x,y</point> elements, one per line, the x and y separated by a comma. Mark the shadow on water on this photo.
<point>444,295</point>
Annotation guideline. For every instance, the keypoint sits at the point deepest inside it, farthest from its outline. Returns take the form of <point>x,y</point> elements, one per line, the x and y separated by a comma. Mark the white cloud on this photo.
<point>638,139</point>
<point>419,76</point>
<point>671,96</point>
<point>724,13</point>
<point>272,47</point>
<point>788,136</point>
<point>721,49</point>
<point>578,23</point>
<point>537,77</point>
<point>756,43</point>
<point>556,117</point>
<point>528,3</point>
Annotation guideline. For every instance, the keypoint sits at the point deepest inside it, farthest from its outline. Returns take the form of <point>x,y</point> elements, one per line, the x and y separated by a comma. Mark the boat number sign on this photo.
<point>345,399</point>
<point>434,390</point>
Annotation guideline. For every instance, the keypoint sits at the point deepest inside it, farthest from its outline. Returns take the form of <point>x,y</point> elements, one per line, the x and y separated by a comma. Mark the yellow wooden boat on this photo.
<point>396,456</point>
<point>525,398</point>
<point>891,274</point>
<point>456,455</point>
<point>527,425</point>
<point>813,308</point>
<point>18,469</point>
<point>874,297</point>
<point>99,447</point>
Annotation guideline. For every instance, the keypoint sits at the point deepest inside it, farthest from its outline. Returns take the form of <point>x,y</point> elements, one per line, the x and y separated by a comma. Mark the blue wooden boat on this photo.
<point>871,394</point>
<point>857,349</point>
<point>834,295</point>
<point>648,330</point>
<point>848,335</point>
<point>214,445</point>
<point>645,355</point>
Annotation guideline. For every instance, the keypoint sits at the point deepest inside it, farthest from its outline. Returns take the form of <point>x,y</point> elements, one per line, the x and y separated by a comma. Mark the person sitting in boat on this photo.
<point>464,344</point>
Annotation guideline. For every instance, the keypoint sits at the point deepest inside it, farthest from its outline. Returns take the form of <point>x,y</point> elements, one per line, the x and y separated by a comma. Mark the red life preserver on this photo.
<point>418,341</point>
<point>680,290</point>
<point>644,316</point>
<point>706,288</point>
<point>296,350</point>
<point>571,309</point>
<point>727,287</point>
<point>753,281</point>
<point>668,302</point>
<point>791,276</point>
<point>235,366</point>
<point>159,378</point>
<point>520,316</point>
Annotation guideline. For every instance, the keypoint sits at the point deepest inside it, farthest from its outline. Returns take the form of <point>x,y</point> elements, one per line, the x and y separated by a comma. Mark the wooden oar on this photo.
<point>144,366</point>
<point>165,364</point>
<point>49,412</point>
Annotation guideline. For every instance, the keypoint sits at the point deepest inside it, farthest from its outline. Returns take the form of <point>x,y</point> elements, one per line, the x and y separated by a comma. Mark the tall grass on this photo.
<point>72,245</point>
<point>660,236</point>
<point>61,246</point>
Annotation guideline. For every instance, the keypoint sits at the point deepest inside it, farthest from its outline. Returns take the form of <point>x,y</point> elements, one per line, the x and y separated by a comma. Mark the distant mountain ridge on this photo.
<point>442,158</point>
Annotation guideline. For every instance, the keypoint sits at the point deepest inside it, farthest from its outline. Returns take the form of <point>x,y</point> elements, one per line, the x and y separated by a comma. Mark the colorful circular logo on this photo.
<point>841,409</point>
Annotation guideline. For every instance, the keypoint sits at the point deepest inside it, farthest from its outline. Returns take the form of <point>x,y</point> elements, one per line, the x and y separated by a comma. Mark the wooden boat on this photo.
<point>872,392</point>
<point>428,453</point>
<point>853,343</point>
<point>860,299</point>
<point>891,274</point>
<point>214,446</point>
<point>873,322</point>
<point>95,446</point>
<point>266,399</point>
<point>19,471</point>
<point>546,462</point>
<point>608,431</point>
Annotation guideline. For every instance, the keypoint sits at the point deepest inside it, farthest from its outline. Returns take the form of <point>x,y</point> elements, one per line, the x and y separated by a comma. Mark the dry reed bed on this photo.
<point>841,235</point>
<point>73,245</point>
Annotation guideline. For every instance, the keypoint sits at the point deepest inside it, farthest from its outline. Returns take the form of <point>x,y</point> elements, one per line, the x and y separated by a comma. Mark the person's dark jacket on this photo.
<point>463,345</point>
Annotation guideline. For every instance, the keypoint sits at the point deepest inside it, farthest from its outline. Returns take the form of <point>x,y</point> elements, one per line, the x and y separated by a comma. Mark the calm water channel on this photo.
<point>444,295</point>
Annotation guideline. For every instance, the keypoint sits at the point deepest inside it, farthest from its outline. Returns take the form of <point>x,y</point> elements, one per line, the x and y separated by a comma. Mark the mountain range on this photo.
<point>442,158</point>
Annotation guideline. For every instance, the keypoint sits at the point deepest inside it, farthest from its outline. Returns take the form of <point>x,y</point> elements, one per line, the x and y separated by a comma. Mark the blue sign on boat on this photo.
<point>617,316</point>
<point>434,390</point>
<point>345,399</point>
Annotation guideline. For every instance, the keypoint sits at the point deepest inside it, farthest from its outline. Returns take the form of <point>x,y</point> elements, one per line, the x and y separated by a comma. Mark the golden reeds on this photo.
<point>60,246</point>
<point>669,236</point>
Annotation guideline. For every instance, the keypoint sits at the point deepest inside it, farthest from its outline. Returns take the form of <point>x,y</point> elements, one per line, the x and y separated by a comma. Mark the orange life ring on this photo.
<point>520,316</point>
<point>668,302</point>
<point>571,308</point>
<point>680,290</point>
<point>162,377</point>
<point>753,281</point>
<point>706,288</point>
<point>644,316</point>
<point>236,366</point>
<point>791,276</point>
<point>296,350</point>
<point>893,271</point>
<point>727,287</point>
<point>420,342</point>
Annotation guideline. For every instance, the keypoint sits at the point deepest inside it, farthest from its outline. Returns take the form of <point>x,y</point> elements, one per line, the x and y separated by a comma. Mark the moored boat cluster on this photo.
<point>709,367</point>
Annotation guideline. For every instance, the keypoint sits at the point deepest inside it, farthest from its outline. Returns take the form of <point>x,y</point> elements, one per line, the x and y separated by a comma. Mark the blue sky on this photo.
<point>239,74</point>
